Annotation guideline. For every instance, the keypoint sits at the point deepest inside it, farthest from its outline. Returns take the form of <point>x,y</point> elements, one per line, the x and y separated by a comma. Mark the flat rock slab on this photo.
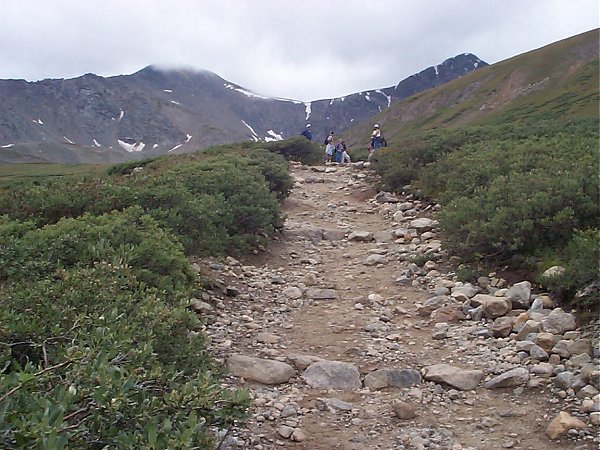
<point>265,371</point>
<point>332,375</point>
<point>301,362</point>
<point>514,377</point>
<point>383,378</point>
<point>462,379</point>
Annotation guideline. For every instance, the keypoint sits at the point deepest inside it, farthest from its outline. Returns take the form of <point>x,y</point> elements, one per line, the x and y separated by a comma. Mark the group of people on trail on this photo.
<point>338,152</point>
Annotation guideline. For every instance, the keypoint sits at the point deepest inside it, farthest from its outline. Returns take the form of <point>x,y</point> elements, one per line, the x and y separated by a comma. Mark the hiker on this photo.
<point>329,151</point>
<point>345,157</point>
<point>307,133</point>
<point>340,148</point>
<point>377,141</point>
<point>329,141</point>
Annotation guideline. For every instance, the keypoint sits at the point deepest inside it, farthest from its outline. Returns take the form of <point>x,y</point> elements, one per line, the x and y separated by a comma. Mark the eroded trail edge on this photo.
<point>352,332</point>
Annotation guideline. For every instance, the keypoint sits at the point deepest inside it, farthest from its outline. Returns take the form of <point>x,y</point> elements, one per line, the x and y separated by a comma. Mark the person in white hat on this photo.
<point>377,141</point>
<point>307,133</point>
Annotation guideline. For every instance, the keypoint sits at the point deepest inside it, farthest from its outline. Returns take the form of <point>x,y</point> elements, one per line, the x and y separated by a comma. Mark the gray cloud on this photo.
<point>302,50</point>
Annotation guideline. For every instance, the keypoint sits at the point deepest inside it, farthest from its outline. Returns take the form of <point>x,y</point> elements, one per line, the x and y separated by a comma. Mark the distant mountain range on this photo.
<point>154,111</point>
<point>558,81</point>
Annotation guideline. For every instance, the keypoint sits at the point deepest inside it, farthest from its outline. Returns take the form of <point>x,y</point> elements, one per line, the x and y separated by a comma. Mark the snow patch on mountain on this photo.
<point>388,97</point>
<point>307,110</point>
<point>97,144</point>
<point>131,148</point>
<point>273,136</point>
<point>244,91</point>
<point>254,135</point>
<point>68,140</point>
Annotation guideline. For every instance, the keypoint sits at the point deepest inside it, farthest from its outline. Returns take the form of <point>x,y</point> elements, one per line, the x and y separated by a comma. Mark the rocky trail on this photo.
<point>352,332</point>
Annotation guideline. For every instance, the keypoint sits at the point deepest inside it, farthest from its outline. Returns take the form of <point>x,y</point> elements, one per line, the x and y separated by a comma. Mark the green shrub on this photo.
<point>127,237</point>
<point>519,213</point>
<point>250,208</point>
<point>580,259</point>
<point>510,192</point>
<point>221,201</point>
<point>127,167</point>
<point>95,359</point>
<point>298,148</point>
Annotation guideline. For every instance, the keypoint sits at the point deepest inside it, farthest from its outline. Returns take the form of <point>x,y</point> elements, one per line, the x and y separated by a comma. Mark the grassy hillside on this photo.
<point>511,153</point>
<point>24,173</point>
<point>556,81</point>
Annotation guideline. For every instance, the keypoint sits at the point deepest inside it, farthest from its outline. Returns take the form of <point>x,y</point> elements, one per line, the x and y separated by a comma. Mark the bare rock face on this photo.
<point>264,371</point>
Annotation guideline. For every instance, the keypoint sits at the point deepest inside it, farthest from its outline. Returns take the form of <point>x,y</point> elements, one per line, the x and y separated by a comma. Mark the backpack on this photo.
<point>326,141</point>
<point>383,141</point>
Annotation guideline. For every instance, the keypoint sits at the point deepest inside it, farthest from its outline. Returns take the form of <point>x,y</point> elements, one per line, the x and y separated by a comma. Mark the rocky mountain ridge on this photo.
<point>156,111</point>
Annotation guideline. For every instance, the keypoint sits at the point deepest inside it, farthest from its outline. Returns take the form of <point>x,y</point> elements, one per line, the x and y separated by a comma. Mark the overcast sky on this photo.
<point>299,49</point>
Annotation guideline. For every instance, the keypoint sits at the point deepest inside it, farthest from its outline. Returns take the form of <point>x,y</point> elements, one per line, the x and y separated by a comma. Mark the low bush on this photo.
<point>298,148</point>
<point>223,200</point>
<point>93,358</point>
<point>127,237</point>
<point>509,192</point>
<point>579,283</point>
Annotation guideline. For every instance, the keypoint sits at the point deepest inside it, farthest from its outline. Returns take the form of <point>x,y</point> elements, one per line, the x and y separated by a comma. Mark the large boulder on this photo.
<point>514,377</point>
<point>361,236</point>
<point>562,424</point>
<point>383,378</point>
<point>491,305</point>
<point>332,375</point>
<point>263,371</point>
<point>457,377</point>
<point>423,224</point>
<point>558,322</point>
<point>520,295</point>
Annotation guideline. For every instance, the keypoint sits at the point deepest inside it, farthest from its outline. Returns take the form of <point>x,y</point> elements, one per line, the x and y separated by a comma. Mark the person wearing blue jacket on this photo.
<point>307,133</point>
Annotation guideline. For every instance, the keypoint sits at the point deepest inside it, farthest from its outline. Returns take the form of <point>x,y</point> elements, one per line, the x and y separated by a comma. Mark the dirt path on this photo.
<point>372,323</point>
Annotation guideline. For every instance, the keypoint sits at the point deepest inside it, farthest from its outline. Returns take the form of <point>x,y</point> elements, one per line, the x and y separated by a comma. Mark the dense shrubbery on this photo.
<point>97,347</point>
<point>579,281</point>
<point>505,190</point>
<point>127,237</point>
<point>298,149</point>
<point>93,358</point>
<point>99,350</point>
<point>221,201</point>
